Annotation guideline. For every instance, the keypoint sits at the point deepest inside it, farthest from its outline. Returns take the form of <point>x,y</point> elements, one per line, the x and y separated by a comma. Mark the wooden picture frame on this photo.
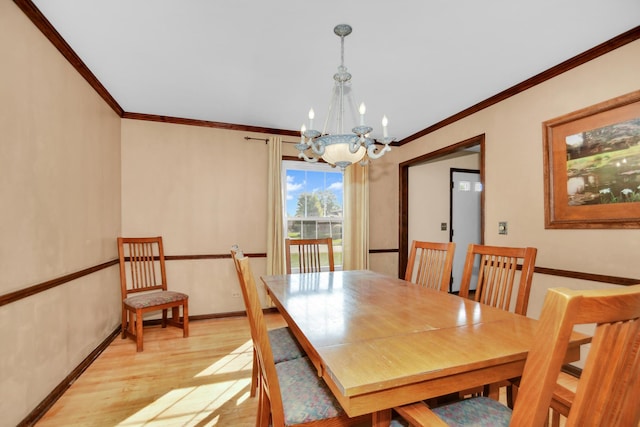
<point>592,166</point>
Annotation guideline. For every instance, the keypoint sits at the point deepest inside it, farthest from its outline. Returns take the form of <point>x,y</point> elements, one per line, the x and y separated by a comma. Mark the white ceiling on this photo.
<point>265,63</point>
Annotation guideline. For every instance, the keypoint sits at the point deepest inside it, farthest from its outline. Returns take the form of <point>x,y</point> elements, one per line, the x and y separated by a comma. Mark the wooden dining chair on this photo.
<point>143,282</point>
<point>496,276</point>
<point>309,254</point>
<point>608,390</point>
<point>430,264</point>
<point>283,344</point>
<point>291,392</point>
<point>495,279</point>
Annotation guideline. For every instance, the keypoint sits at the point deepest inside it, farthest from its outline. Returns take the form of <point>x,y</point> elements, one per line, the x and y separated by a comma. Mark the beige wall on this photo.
<point>60,192</point>
<point>514,174</point>
<point>203,190</point>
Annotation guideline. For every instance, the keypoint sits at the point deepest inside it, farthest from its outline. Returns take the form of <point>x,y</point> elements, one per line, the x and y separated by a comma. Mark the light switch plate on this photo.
<point>502,227</point>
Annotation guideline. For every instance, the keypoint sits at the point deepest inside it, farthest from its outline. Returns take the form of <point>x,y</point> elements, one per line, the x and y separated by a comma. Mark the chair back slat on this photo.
<point>497,274</point>
<point>613,368</point>
<point>609,388</point>
<point>496,278</point>
<point>309,253</point>
<point>141,264</point>
<point>432,263</point>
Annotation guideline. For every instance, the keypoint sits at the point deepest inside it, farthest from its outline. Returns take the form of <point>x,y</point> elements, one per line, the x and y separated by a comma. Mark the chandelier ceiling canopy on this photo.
<point>333,144</point>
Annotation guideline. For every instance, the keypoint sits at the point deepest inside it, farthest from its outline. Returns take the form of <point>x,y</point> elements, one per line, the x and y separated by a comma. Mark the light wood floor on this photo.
<point>202,380</point>
<point>199,381</point>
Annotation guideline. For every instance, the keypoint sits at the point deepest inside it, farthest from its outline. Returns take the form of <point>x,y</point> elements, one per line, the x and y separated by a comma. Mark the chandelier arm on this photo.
<point>355,145</point>
<point>302,155</point>
<point>317,147</point>
<point>373,154</point>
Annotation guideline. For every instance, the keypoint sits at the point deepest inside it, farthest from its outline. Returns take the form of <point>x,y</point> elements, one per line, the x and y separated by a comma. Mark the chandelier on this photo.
<point>333,144</point>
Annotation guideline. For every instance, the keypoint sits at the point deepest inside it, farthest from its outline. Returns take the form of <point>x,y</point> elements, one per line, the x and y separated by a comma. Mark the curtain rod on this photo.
<point>267,140</point>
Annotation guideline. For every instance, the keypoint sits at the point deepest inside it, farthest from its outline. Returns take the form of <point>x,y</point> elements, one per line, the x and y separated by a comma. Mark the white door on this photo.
<point>465,219</point>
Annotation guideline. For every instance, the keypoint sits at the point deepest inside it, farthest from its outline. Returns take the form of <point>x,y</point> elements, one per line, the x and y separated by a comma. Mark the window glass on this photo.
<point>313,203</point>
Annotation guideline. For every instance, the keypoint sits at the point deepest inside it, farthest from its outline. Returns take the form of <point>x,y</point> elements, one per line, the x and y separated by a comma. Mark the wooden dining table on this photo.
<point>380,342</point>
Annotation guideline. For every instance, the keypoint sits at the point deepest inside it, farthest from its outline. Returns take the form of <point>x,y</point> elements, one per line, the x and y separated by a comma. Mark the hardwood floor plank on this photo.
<point>202,380</point>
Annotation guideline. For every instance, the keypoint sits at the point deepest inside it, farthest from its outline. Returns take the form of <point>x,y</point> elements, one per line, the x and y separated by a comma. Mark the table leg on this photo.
<point>381,418</point>
<point>492,391</point>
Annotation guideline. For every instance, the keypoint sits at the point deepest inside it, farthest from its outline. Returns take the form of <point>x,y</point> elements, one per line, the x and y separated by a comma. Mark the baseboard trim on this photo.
<point>57,392</point>
<point>574,371</point>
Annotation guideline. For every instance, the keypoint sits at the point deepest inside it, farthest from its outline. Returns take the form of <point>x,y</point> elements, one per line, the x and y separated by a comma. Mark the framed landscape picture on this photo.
<point>592,166</point>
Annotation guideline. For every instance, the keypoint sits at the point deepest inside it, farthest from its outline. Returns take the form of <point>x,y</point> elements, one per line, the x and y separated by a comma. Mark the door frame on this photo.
<point>403,168</point>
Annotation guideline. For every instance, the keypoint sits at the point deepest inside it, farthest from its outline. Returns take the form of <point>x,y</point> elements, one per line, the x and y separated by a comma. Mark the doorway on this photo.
<point>465,190</point>
<point>476,144</point>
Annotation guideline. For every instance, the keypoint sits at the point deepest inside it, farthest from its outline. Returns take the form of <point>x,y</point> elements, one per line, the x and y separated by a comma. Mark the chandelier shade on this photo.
<point>333,144</point>
<point>336,150</point>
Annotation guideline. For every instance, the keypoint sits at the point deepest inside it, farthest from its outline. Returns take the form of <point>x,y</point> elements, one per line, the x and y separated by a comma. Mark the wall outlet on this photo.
<point>443,226</point>
<point>235,294</point>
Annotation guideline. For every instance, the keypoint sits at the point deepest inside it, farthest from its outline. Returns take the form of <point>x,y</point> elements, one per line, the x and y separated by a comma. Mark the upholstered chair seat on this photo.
<point>284,345</point>
<point>477,412</point>
<point>154,298</point>
<point>305,396</point>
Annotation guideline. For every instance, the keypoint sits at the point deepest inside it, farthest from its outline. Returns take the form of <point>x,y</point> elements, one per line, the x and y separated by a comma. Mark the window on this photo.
<point>313,203</point>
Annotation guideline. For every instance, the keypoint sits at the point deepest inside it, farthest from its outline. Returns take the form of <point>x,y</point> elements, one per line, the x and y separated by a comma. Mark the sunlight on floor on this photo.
<point>200,401</point>
<point>232,363</point>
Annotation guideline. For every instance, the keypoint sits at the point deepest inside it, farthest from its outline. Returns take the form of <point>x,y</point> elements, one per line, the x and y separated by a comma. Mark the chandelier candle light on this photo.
<point>339,148</point>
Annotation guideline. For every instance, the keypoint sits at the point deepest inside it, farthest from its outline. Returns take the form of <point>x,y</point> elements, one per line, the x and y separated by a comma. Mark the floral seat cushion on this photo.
<point>477,412</point>
<point>305,396</point>
<point>284,345</point>
<point>154,298</point>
